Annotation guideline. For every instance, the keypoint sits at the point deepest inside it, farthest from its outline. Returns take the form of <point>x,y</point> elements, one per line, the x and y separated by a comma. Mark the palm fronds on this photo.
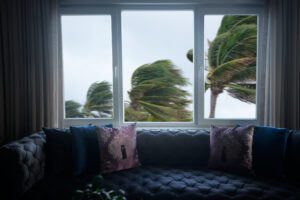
<point>232,59</point>
<point>72,109</point>
<point>99,100</point>
<point>156,90</point>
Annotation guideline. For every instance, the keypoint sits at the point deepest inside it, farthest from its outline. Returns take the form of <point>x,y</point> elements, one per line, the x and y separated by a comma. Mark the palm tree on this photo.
<point>72,109</point>
<point>99,100</point>
<point>232,60</point>
<point>156,94</point>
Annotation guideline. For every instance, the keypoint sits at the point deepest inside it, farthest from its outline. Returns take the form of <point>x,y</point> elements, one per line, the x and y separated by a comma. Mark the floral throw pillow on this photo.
<point>117,148</point>
<point>231,149</point>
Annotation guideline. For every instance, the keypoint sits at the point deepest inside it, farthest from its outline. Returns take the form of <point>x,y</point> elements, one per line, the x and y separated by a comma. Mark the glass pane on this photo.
<point>157,74</point>
<point>230,66</point>
<point>87,61</point>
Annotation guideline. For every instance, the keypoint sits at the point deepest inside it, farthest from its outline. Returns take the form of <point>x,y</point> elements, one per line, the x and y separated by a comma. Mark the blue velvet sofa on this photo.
<point>174,166</point>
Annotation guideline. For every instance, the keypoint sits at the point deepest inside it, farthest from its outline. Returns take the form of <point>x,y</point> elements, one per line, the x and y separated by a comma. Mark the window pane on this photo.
<point>157,74</point>
<point>87,61</point>
<point>230,66</point>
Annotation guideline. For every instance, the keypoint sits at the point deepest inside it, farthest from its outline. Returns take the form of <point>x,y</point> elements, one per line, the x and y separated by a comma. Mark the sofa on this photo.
<point>174,165</point>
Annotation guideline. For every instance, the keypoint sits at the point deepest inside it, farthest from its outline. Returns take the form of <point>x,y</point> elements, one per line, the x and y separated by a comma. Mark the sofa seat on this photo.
<point>162,183</point>
<point>50,188</point>
<point>169,183</point>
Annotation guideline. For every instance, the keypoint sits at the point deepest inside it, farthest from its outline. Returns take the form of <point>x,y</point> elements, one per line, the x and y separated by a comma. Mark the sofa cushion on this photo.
<point>162,183</point>
<point>117,148</point>
<point>158,183</point>
<point>85,149</point>
<point>173,147</point>
<point>51,188</point>
<point>58,141</point>
<point>231,148</point>
<point>293,155</point>
<point>269,146</point>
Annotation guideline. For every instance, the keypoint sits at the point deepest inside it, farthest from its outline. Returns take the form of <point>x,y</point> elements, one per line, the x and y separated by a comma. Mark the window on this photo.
<point>87,61</point>
<point>230,66</point>
<point>161,65</point>
<point>157,76</point>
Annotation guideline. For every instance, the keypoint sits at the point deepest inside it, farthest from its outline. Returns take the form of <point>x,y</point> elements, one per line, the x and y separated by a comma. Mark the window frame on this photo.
<point>238,10</point>
<point>199,10</point>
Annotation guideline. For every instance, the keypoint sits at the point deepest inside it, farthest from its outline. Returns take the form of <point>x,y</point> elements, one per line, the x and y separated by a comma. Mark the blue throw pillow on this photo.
<point>268,150</point>
<point>86,155</point>
<point>269,145</point>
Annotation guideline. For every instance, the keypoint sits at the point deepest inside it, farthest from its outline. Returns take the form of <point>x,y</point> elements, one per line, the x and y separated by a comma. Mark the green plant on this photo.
<point>157,94</point>
<point>94,191</point>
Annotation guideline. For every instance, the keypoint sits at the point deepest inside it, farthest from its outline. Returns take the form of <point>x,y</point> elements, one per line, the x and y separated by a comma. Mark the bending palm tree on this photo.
<point>99,100</point>
<point>72,109</point>
<point>232,60</point>
<point>156,94</point>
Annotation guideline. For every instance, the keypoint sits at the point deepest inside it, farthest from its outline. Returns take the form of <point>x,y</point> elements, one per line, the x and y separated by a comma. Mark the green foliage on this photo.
<point>214,49</point>
<point>225,72</point>
<point>95,192</point>
<point>232,59</point>
<point>243,92</point>
<point>99,100</point>
<point>230,21</point>
<point>72,109</point>
<point>136,116</point>
<point>156,94</point>
<point>190,55</point>
<point>232,55</point>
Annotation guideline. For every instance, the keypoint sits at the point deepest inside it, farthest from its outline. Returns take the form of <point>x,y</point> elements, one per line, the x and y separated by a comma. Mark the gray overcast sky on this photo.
<point>147,36</point>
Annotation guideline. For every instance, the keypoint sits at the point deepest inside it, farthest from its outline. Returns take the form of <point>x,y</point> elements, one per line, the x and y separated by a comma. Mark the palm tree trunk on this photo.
<point>213,102</point>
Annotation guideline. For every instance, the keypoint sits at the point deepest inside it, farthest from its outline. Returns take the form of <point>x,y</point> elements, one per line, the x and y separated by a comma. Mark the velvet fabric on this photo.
<point>24,159</point>
<point>117,148</point>
<point>292,161</point>
<point>231,149</point>
<point>58,141</point>
<point>161,147</point>
<point>169,183</point>
<point>269,147</point>
<point>22,165</point>
<point>85,149</point>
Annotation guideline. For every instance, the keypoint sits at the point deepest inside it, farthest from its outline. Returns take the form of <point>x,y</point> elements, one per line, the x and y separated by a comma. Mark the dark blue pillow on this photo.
<point>86,156</point>
<point>269,146</point>
<point>58,151</point>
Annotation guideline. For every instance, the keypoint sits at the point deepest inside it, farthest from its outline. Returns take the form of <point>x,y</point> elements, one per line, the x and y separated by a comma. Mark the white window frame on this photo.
<point>200,10</point>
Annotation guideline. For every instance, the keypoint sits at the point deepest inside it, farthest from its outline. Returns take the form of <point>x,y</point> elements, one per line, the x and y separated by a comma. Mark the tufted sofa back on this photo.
<point>22,165</point>
<point>173,147</point>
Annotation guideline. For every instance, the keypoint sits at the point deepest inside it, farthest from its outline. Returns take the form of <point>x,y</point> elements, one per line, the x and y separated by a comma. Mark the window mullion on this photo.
<point>117,65</point>
<point>199,66</point>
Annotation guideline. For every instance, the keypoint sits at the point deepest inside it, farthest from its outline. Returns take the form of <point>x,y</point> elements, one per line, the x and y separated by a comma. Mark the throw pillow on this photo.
<point>231,149</point>
<point>58,151</point>
<point>117,148</point>
<point>292,162</point>
<point>85,149</point>
<point>269,145</point>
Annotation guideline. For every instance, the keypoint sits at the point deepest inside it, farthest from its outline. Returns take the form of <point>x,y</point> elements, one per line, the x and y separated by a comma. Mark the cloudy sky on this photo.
<point>147,36</point>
